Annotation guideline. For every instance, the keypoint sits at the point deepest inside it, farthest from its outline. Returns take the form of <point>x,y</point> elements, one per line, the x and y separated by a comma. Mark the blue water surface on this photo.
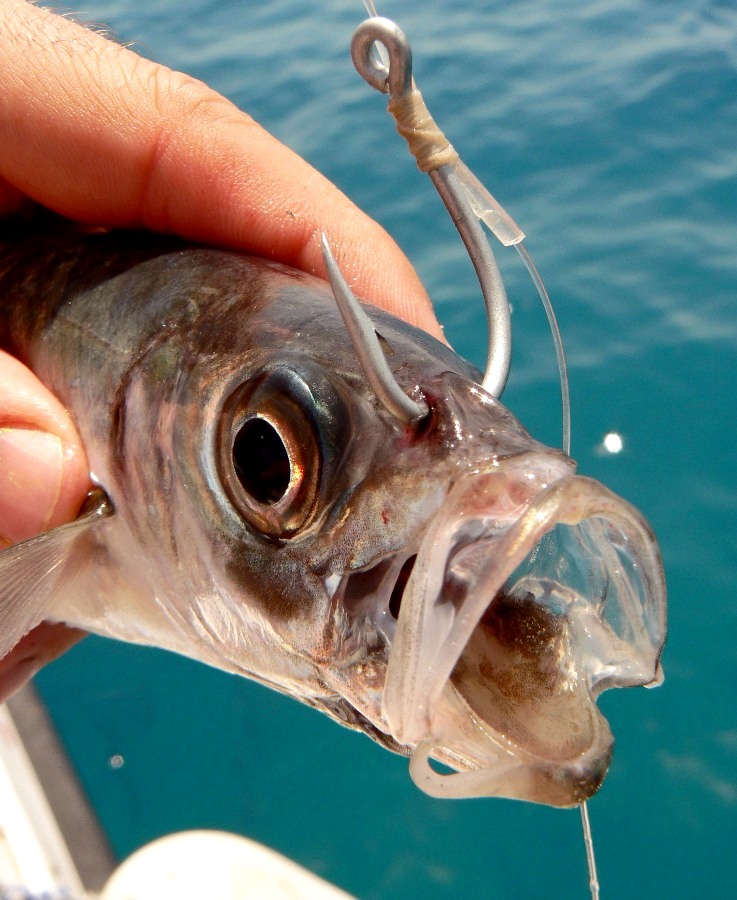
<point>609,131</point>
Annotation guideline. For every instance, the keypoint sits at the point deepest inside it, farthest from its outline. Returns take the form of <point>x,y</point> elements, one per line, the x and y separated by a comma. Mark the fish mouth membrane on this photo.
<point>529,597</point>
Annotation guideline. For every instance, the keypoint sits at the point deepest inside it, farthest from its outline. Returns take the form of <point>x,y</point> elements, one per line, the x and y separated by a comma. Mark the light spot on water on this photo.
<point>613,442</point>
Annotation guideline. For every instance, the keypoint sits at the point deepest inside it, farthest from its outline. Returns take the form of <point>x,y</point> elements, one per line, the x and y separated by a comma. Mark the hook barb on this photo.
<point>368,350</point>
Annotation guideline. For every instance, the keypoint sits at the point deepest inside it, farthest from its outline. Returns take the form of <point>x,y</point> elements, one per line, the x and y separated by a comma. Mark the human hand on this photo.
<point>104,137</point>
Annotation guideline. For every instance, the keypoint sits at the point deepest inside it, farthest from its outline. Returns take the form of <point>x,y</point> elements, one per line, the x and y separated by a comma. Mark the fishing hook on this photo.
<point>368,350</point>
<point>436,156</point>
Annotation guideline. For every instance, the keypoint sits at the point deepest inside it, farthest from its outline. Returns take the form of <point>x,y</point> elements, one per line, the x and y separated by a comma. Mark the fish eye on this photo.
<point>276,439</point>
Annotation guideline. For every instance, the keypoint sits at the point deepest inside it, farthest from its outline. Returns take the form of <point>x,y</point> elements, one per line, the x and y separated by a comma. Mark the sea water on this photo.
<point>609,131</point>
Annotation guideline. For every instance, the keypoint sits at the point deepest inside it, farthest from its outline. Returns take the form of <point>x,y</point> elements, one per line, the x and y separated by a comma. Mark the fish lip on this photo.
<point>418,686</point>
<point>534,781</point>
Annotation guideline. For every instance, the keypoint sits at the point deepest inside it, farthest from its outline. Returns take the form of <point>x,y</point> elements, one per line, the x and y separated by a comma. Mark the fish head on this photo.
<point>524,593</point>
<point>451,588</point>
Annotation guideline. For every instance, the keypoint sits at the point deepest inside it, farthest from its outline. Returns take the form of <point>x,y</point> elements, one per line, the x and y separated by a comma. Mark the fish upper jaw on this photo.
<point>533,591</point>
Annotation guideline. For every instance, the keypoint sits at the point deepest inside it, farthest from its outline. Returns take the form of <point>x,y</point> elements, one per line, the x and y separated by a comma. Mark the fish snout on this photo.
<point>529,596</point>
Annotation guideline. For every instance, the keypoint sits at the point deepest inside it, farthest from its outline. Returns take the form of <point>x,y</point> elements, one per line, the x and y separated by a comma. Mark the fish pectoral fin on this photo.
<point>32,572</point>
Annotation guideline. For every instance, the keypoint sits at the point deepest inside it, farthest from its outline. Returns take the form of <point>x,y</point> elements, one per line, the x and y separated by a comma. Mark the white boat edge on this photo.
<point>34,857</point>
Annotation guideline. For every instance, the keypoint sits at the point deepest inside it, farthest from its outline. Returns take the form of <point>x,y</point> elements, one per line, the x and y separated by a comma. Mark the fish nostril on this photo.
<point>395,601</point>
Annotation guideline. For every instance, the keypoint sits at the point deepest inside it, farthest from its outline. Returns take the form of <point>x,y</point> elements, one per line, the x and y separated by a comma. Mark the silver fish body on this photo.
<point>272,519</point>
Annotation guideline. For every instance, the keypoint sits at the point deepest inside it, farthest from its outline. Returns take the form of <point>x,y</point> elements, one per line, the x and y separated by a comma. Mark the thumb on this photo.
<point>43,482</point>
<point>43,468</point>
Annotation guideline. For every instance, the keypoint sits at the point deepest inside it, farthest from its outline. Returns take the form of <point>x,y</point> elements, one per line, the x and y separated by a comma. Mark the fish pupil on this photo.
<point>261,461</point>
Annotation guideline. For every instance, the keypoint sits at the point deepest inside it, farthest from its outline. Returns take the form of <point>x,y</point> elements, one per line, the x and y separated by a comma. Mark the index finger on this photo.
<point>102,136</point>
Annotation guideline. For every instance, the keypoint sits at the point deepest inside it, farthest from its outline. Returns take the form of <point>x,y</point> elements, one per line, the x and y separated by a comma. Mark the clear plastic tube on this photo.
<point>486,208</point>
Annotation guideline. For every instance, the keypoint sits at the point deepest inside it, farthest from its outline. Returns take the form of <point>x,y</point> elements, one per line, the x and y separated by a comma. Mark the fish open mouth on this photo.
<point>533,590</point>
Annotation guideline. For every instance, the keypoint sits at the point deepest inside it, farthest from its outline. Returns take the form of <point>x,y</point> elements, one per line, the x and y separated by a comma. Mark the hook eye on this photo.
<point>398,80</point>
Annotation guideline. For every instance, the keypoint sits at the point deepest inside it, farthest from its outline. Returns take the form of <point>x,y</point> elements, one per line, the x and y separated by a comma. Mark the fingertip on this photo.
<point>75,481</point>
<point>376,270</point>
<point>11,199</point>
<point>43,482</point>
<point>42,645</point>
<point>44,476</point>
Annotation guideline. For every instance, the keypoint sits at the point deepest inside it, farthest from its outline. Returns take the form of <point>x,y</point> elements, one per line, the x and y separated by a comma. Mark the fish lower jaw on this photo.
<point>487,763</point>
<point>552,785</point>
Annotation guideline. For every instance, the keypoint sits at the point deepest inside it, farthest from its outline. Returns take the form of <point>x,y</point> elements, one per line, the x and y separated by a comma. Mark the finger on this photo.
<point>44,477</point>
<point>162,151</point>
<point>43,482</point>
<point>42,645</point>
<point>11,199</point>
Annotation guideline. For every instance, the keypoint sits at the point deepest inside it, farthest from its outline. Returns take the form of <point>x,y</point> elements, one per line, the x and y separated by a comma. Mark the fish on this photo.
<point>448,585</point>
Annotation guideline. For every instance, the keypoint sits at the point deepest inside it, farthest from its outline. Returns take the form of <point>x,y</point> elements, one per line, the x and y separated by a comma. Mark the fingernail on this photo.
<point>31,468</point>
